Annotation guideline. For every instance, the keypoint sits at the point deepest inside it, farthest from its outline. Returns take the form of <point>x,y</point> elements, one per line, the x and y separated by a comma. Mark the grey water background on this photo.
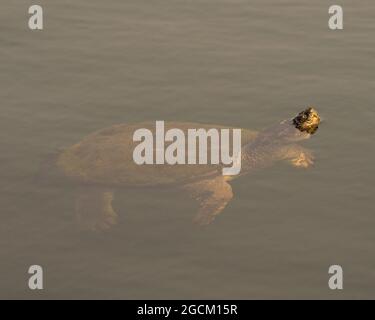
<point>233,62</point>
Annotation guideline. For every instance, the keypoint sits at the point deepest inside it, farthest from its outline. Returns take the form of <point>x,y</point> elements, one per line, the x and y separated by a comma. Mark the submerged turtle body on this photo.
<point>103,162</point>
<point>106,158</point>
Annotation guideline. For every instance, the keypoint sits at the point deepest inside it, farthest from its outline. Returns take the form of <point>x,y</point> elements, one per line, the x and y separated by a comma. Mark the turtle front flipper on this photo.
<point>298,156</point>
<point>212,195</point>
<point>94,209</point>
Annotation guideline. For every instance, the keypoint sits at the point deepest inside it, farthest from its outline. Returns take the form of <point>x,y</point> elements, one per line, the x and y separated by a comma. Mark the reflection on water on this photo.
<point>232,63</point>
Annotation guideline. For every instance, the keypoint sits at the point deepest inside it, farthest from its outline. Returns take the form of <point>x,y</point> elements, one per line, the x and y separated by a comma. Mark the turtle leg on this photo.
<point>298,156</point>
<point>93,208</point>
<point>212,195</point>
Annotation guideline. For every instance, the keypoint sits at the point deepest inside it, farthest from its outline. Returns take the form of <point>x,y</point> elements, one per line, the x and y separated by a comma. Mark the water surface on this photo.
<point>237,63</point>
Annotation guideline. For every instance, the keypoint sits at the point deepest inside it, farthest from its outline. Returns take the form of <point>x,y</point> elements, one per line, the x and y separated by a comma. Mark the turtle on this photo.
<point>102,163</point>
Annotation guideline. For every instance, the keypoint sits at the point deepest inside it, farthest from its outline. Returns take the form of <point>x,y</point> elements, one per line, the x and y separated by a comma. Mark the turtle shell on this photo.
<point>105,157</point>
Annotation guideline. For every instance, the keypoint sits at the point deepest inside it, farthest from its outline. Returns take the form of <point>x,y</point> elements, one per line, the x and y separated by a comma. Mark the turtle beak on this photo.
<point>307,121</point>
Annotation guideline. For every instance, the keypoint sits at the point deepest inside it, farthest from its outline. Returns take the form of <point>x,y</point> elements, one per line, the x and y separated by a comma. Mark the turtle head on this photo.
<point>307,121</point>
<point>301,127</point>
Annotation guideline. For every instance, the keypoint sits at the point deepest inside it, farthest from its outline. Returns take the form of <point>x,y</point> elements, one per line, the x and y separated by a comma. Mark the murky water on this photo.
<point>237,63</point>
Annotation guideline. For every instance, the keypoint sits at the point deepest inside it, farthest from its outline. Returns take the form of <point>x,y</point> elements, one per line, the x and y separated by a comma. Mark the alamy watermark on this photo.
<point>36,280</point>
<point>36,19</point>
<point>335,21</point>
<point>183,150</point>
<point>336,280</point>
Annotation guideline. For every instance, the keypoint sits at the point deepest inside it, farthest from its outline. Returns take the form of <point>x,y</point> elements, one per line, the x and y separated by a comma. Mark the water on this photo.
<point>238,63</point>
